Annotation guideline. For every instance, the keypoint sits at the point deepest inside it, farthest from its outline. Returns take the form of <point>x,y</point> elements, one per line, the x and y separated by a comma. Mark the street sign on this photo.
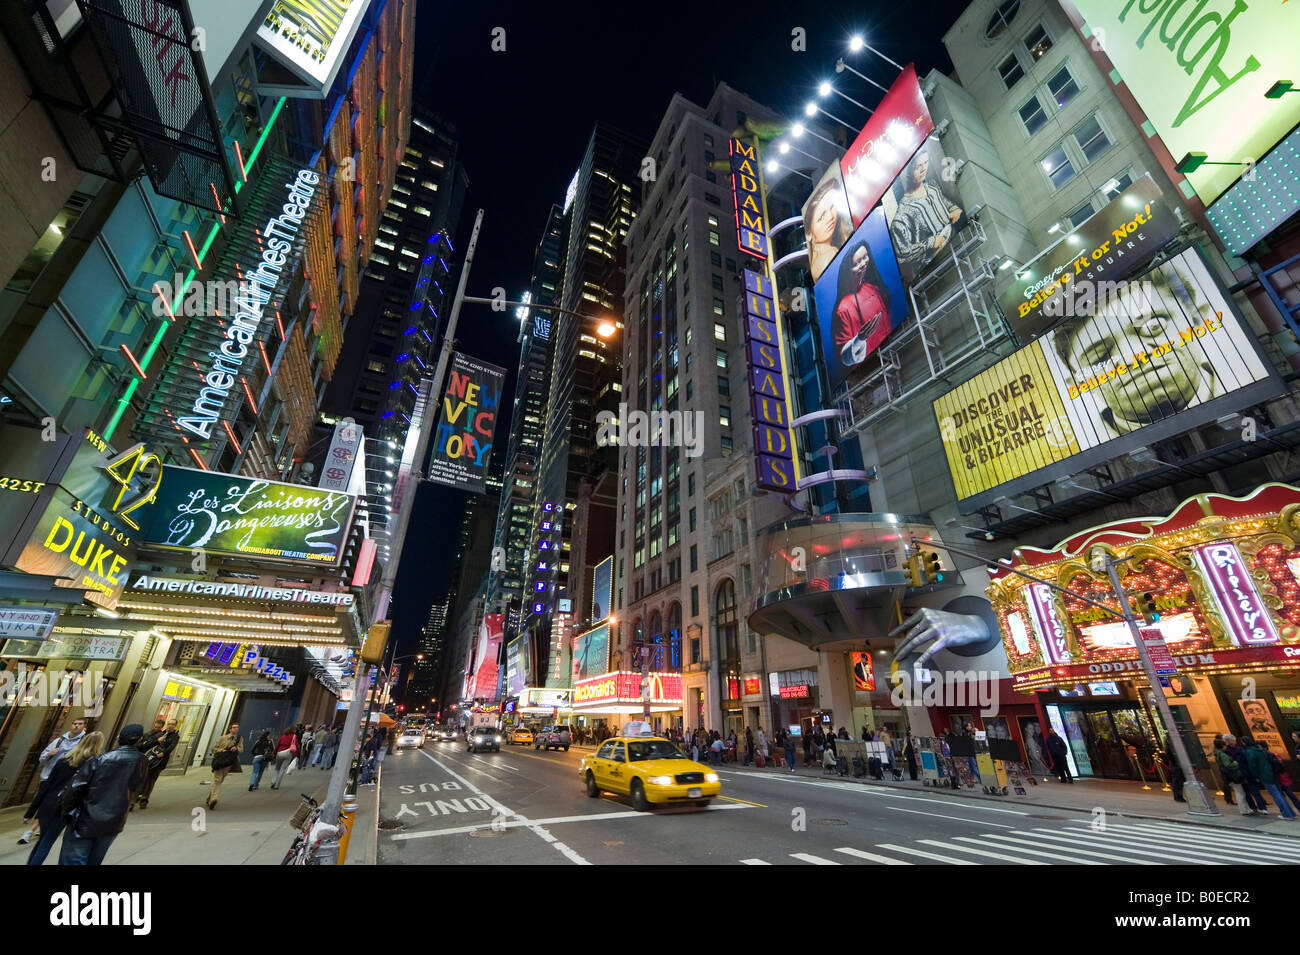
<point>1161,659</point>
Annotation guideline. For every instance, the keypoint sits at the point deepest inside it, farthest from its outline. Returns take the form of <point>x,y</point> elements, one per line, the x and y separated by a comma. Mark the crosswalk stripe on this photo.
<point>815,860</point>
<point>872,857</point>
<point>1072,839</point>
<point>1223,846</point>
<point>1168,847</point>
<point>753,862</point>
<point>980,852</point>
<point>1054,856</point>
<point>1088,837</point>
<point>1269,844</point>
<point>1076,850</point>
<point>925,855</point>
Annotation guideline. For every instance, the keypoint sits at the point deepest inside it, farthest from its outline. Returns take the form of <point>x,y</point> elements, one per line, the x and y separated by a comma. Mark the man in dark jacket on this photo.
<point>97,800</point>
<point>1060,764</point>
<point>157,748</point>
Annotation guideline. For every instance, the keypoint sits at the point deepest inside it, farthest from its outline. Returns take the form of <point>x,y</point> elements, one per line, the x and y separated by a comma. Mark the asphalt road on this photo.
<point>442,805</point>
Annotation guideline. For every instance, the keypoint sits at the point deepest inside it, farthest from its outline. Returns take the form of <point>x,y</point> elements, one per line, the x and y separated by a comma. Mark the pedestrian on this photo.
<point>157,747</point>
<point>96,802</point>
<point>819,740</point>
<point>370,754</point>
<point>866,734</point>
<point>225,760</point>
<point>761,746</point>
<point>1233,793</point>
<point>50,755</point>
<point>1236,748</point>
<point>808,748</point>
<point>51,789</point>
<point>716,748</point>
<point>909,754</point>
<point>263,753</point>
<point>789,750</point>
<point>830,744</point>
<point>318,744</point>
<point>695,746</point>
<point>1056,749</point>
<point>331,750</point>
<point>286,750</point>
<point>749,745</point>
<point>1265,767</point>
<point>844,733</point>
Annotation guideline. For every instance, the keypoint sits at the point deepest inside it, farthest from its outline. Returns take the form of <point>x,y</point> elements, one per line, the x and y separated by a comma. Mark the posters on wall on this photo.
<point>247,517</point>
<point>894,132</point>
<point>1261,727</point>
<point>860,299</point>
<point>591,653</point>
<point>462,444</point>
<point>1110,246</point>
<point>1200,72</point>
<point>1153,356</point>
<point>827,224</point>
<point>923,210</point>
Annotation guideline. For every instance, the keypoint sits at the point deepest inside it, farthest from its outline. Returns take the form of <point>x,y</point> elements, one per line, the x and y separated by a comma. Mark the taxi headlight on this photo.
<point>660,780</point>
<point>710,777</point>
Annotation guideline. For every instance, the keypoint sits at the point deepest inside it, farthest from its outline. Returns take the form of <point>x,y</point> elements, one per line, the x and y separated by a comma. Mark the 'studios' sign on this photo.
<point>257,286</point>
<point>246,517</point>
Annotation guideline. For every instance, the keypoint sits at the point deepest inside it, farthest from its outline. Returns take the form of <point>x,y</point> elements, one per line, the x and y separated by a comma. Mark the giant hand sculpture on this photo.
<point>941,630</point>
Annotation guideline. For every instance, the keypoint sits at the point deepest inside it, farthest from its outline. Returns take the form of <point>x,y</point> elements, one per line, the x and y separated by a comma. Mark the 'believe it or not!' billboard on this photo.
<point>1113,244</point>
<point>1165,352</point>
<point>462,445</point>
<point>1200,70</point>
<point>224,514</point>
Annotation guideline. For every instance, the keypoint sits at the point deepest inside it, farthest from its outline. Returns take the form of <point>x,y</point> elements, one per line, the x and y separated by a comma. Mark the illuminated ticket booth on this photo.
<point>1224,574</point>
<point>614,698</point>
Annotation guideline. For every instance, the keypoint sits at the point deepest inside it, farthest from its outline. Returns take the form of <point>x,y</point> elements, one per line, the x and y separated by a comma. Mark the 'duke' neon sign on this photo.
<point>256,287</point>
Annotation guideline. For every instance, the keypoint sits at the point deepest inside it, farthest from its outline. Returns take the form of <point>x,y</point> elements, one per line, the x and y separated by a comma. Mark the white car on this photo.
<point>411,736</point>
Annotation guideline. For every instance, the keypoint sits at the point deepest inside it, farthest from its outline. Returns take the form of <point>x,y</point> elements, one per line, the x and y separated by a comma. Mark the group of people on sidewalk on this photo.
<point>1249,769</point>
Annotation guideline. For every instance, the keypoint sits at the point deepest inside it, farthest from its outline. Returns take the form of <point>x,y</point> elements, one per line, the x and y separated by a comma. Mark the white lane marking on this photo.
<point>1054,856</point>
<point>536,829</point>
<point>979,852</point>
<point>872,857</point>
<point>753,862</point>
<point>1074,850</point>
<point>552,821</point>
<point>941,815</point>
<point>925,855</point>
<point>488,762</point>
<point>877,791</point>
<point>1273,847</point>
<point>1234,836</point>
<point>815,860</point>
<point>1089,838</point>
<point>1174,850</point>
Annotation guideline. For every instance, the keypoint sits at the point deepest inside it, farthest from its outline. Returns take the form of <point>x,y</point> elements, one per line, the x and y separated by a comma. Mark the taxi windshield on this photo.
<point>652,749</point>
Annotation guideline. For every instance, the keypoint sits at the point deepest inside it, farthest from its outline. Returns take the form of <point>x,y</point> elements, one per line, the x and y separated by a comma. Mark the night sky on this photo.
<point>524,117</point>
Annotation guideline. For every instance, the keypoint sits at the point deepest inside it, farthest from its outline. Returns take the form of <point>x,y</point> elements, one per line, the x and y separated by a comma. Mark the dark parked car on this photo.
<point>553,737</point>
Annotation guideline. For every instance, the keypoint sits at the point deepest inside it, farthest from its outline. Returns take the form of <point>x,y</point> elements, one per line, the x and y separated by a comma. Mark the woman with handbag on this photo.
<point>47,797</point>
<point>225,760</point>
<point>286,750</point>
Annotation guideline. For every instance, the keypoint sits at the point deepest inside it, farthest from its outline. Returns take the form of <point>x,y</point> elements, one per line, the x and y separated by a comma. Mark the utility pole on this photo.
<point>328,854</point>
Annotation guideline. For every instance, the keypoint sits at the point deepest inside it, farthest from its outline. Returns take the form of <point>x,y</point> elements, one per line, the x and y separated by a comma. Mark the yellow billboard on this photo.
<point>1200,70</point>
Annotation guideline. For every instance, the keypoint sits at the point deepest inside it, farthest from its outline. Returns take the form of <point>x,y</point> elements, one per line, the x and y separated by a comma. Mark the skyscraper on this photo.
<point>584,366</point>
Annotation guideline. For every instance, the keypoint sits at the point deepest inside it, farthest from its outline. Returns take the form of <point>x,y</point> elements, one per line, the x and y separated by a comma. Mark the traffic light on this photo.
<point>930,566</point>
<point>915,575</point>
<point>1147,608</point>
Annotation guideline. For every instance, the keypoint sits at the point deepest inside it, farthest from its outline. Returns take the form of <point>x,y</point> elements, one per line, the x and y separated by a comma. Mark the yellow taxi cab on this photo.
<point>651,770</point>
<point>522,735</point>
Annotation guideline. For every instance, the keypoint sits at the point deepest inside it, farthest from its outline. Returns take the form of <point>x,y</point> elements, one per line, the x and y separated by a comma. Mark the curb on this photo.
<point>368,853</point>
<point>1208,822</point>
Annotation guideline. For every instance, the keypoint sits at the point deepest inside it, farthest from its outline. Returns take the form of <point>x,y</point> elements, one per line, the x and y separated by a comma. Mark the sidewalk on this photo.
<point>246,828</point>
<point>1115,796</point>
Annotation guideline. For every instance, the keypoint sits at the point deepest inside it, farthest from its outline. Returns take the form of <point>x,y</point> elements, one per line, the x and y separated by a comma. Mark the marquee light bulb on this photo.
<point>824,88</point>
<point>773,165</point>
<point>796,130</point>
<point>856,43</point>
<point>810,109</point>
<point>783,148</point>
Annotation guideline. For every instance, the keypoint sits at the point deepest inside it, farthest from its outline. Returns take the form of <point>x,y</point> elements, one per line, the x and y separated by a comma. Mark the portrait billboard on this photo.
<point>827,224</point>
<point>247,517</point>
<point>894,132</point>
<point>591,653</point>
<point>1144,360</point>
<point>923,210</point>
<point>601,585</point>
<point>1200,72</point>
<point>1113,244</point>
<point>462,445</point>
<point>860,299</point>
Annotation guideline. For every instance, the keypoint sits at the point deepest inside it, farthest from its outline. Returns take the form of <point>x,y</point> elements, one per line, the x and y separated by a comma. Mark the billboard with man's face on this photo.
<point>860,300</point>
<point>1153,356</point>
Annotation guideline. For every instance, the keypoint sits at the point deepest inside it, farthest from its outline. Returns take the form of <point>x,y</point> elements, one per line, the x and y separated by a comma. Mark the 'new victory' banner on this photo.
<point>462,445</point>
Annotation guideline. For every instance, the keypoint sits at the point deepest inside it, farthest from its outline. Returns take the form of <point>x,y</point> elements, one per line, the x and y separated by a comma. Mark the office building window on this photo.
<point>695,558</point>
<point>1116,185</point>
<point>690,485</point>
<point>718,307</point>
<point>713,238</point>
<point>1058,167</point>
<point>719,333</point>
<point>711,198</point>
<point>690,519</point>
<point>695,612</point>
<point>1011,71</point>
<point>724,416</point>
<point>1091,138</point>
<point>726,444</point>
<point>1063,87</point>
<point>724,385</point>
<point>1032,115</point>
<point>721,357</point>
<point>717,281</point>
<point>1038,42</point>
<point>715,258</point>
<point>1001,19</point>
<point>1081,215</point>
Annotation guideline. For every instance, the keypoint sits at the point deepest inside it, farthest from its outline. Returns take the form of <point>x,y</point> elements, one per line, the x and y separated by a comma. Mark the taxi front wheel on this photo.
<point>639,802</point>
<point>592,789</point>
